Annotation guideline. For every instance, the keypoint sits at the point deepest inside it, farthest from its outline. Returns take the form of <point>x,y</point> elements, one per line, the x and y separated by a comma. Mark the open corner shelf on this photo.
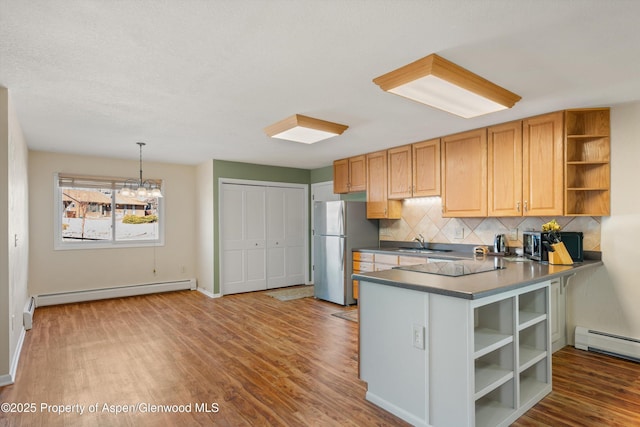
<point>587,162</point>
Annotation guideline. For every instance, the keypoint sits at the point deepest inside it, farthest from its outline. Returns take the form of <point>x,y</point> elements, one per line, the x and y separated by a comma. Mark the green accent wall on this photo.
<point>322,175</point>
<point>254,172</point>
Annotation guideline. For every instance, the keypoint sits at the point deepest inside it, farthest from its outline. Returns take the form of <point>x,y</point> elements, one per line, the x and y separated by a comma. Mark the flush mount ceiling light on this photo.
<point>304,129</point>
<point>442,84</point>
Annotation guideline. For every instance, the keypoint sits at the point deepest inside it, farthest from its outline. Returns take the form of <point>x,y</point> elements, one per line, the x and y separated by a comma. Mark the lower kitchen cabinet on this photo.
<point>437,360</point>
<point>366,262</point>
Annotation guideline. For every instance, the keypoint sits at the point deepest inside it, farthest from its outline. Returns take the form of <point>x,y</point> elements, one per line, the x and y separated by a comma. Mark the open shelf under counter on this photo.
<point>488,340</point>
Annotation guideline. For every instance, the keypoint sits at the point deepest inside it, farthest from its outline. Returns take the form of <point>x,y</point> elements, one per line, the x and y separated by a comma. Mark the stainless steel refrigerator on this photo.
<point>338,228</point>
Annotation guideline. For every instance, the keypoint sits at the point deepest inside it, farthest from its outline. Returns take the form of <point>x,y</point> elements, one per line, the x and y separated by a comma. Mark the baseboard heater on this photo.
<point>27,314</point>
<point>115,292</point>
<point>602,342</point>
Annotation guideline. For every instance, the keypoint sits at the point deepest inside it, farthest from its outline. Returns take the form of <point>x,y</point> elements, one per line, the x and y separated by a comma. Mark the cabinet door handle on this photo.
<point>526,206</point>
<point>518,205</point>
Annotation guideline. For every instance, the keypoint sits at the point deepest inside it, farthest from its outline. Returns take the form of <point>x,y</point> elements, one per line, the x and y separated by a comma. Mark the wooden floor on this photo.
<point>250,360</point>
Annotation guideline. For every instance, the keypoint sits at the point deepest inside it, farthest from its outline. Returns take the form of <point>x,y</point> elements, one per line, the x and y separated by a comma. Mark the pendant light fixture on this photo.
<point>442,84</point>
<point>299,128</point>
<point>141,189</point>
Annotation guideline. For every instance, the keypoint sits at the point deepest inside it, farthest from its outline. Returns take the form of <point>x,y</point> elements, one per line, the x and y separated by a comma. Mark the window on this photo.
<point>91,212</point>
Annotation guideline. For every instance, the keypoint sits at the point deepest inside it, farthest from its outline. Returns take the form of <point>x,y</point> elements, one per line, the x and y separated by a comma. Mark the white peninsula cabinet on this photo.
<point>439,360</point>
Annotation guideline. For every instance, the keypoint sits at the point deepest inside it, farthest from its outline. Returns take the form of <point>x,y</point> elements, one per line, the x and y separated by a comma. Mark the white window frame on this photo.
<point>116,183</point>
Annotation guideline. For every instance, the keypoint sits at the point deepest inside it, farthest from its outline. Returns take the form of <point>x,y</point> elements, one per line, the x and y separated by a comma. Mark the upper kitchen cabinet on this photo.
<point>349,175</point>
<point>426,168</point>
<point>464,174</point>
<point>504,181</point>
<point>400,177</point>
<point>542,165</point>
<point>414,170</point>
<point>587,167</point>
<point>378,204</point>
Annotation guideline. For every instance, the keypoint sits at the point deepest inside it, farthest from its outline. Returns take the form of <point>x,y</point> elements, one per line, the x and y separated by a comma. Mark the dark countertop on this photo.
<point>474,286</point>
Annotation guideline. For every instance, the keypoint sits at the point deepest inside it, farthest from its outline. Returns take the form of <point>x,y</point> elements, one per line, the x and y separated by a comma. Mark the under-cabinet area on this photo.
<point>440,360</point>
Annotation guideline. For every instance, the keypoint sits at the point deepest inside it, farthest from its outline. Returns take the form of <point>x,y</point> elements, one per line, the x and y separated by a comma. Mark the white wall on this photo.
<point>14,230</point>
<point>204,211</point>
<point>52,271</point>
<point>607,300</point>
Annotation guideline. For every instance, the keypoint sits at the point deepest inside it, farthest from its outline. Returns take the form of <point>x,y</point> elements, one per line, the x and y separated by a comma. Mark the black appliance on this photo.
<point>454,268</point>
<point>535,244</point>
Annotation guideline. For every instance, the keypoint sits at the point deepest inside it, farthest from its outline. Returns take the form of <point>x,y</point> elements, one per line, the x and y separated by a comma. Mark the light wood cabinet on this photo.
<point>542,165</point>
<point>378,204</point>
<point>349,175</point>
<point>504,163</point>
<point>464,174</point>
<point>587,167</point>
<point>426,168</point>
<point>400,174</point>
<point>414,170</point>
<point>366,262</point>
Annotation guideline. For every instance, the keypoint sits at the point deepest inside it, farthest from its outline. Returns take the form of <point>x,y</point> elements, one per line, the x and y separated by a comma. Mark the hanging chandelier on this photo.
<point>139,188</point>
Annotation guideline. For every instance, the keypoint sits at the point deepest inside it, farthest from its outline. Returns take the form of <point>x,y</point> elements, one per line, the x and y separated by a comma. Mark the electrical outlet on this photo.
<point>418,336</point>
<point>513,234</point>
<point>459,233</point>
<point>183,269</point>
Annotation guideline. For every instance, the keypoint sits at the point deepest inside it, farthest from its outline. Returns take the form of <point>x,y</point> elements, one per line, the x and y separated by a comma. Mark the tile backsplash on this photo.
<point>424,216</point>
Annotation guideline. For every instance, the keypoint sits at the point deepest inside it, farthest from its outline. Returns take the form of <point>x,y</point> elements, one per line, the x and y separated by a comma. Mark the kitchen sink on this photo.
<point>422,250</point>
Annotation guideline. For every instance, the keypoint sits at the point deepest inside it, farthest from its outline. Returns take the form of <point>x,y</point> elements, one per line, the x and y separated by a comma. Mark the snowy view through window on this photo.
<point>90,215</point>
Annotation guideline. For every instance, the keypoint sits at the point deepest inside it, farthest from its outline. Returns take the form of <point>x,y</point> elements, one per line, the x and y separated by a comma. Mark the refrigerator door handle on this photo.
<point>342,207</point>
<point>342,243</point>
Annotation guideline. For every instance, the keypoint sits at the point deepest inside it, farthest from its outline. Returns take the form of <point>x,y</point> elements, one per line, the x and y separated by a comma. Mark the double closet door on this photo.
<point>262,237</point>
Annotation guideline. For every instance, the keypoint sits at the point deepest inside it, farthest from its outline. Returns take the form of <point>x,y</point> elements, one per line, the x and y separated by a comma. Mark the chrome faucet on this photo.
<point>420,239</point>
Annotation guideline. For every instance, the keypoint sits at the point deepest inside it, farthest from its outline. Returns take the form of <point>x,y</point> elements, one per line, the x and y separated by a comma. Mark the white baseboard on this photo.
<point>10,378</point>
<point>395,410</point>
<point>115,292</point>
<point>208,293</point>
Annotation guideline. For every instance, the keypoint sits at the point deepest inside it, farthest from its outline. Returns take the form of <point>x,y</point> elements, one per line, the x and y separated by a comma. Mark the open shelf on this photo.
<point>534,381</point>
<point>497,406</point>
<point>587,202</point>
<point>493,370</point>
<point>488,340</point>
<point>587,121</point>
<point>493,326</point>
<point>532,345</point>
<point>532,308</point>
<point>587,162</point>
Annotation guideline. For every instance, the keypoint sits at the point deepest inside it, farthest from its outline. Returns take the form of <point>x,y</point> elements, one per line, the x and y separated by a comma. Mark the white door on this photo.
<point>320,192</point>
<point>243,238</point>
<point>285,237</point>
<point>295,231</point>
<point>276,246</point>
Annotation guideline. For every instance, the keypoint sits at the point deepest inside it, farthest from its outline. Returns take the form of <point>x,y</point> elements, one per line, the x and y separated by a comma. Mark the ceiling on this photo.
<point>200,80</point>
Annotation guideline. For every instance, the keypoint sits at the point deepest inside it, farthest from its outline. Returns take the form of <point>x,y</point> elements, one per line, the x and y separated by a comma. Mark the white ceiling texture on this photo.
<point>201,79</point>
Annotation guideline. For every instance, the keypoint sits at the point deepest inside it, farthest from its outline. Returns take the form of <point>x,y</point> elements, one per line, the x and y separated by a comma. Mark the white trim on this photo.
<point>208,293</point>
<point>395,410</point>
<point>304,187</point>
<point>115,292</point>
<point>10,378</point>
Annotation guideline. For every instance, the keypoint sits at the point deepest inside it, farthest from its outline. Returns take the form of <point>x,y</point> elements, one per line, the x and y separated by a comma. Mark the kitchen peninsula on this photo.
<point>469,348</point>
